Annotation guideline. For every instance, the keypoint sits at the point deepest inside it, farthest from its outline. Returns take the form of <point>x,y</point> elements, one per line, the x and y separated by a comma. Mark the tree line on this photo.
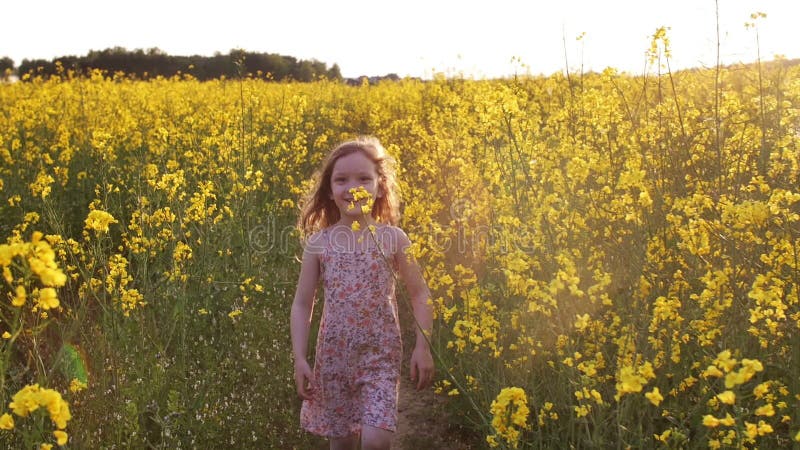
<point>154,62</point>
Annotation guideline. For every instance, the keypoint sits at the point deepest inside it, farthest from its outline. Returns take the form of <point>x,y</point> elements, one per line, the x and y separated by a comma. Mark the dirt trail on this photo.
<point>423,423</point>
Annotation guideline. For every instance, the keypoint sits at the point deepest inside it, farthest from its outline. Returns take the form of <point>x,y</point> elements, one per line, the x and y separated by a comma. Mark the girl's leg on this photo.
<point>373,438</point>
<point>345,443</point>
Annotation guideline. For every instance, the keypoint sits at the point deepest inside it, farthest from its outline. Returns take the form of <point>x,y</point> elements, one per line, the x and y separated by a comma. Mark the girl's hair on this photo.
<point>318,208</point>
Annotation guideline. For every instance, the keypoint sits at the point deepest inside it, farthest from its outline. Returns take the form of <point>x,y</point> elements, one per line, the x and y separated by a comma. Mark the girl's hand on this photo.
<point>303,379</point>
<point>422,366</point>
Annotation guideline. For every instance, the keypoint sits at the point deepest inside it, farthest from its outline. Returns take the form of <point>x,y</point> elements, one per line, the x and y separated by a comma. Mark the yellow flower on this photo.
<point>52,277</point>
<point>654,396</point>
<point>767,410</point>
<point>629,382</point>
<point>20,297</point>
<point>728,420</point>
<point>7,253</point>
<point>6,422</point>
<point>355,226</point>
<point>663,437</point>
<point>712,371</point>
<point>31,397</point>
<point>598,398</point>
<point>582,410</point>
<point>581,321</point>
<point>646,370</point>
<point>6,335</point>
<point>46,447</point>
<point>360,193</point>
<point>752,365</point>
<point>61,437</point>
<point>42,186</point>
<point>510,413</point>
<point>733,379</point>
<point>25,400</point>
<point>48,298</point>
<point>710,421</point>
<point>56,406</point>
<point>727,397</point>
<point>761,390</point>
<point>99,221</point>
<point>751,430</point>
<point>724,361</point>
<point>76,385</point>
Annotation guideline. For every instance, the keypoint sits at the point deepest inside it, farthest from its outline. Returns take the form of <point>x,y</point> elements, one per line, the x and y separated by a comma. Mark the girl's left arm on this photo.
<point>422,366</point>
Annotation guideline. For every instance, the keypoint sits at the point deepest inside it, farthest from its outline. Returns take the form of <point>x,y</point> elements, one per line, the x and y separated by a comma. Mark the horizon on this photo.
<point>779,58</point>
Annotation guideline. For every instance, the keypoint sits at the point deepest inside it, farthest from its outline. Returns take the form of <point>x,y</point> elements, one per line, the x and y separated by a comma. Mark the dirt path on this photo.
<point>423,423</point>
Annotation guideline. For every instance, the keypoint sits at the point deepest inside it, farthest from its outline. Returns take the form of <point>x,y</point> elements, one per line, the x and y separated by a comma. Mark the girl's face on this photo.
<point>349,172</point>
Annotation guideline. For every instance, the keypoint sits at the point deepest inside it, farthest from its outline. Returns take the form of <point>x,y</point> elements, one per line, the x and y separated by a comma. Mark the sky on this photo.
<point>418,38</point>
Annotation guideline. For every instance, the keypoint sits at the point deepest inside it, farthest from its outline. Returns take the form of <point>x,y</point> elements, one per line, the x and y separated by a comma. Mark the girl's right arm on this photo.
<point>302,307</point>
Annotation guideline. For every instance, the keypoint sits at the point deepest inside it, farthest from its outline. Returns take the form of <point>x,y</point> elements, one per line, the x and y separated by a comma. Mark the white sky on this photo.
<point>409,37</point>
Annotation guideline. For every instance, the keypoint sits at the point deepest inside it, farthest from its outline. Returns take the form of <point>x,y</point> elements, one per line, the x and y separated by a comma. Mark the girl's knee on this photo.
<point>373,438</point>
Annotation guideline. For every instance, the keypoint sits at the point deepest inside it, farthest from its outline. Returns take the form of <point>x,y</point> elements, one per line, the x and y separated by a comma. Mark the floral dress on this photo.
<point>359,349</point>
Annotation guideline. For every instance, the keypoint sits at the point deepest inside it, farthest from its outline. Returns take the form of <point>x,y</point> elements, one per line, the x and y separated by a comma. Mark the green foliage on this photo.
<point>153,63</point>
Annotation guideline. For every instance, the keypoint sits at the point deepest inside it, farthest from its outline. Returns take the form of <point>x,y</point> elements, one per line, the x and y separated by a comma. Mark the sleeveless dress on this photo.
<point>359,348</point>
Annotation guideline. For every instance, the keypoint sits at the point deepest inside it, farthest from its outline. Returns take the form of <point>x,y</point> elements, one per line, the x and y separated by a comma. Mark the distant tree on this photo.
<point>334,73</point>
<point>318,69</point>
<point>278,66</point>
<point>70,63</point>
<point>303,71</point>
<point>213,67</point>
<point>6,67</point>
<point>35,66</point>
<point>154,62</point>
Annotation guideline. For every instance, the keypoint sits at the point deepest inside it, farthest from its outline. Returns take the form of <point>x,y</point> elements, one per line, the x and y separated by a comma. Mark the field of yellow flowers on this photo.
<point>614,259</point>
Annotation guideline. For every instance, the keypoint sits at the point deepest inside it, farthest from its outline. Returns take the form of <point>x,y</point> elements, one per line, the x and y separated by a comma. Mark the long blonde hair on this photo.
<point>318,209</point>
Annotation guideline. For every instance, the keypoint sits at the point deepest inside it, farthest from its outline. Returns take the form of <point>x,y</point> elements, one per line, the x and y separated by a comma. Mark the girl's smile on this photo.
<point>351,172</point>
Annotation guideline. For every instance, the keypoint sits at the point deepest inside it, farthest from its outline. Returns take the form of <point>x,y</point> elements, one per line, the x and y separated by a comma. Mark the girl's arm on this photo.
<point>302,307</point>
<point>421,360</point>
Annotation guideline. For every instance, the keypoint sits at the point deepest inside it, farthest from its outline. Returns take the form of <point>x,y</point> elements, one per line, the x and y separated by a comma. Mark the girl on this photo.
<point>353,388</point>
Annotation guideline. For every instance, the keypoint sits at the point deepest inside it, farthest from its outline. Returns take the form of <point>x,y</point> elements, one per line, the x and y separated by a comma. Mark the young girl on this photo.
<point>352,392</point>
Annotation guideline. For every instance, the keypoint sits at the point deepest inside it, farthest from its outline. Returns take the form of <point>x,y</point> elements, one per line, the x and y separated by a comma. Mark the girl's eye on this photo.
<point>366,178</point>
